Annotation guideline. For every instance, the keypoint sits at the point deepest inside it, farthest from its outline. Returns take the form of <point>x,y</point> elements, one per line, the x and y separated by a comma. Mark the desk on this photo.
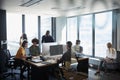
<point>40,70</point>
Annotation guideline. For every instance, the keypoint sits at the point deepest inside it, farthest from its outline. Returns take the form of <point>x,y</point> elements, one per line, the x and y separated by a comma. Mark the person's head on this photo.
<point>35,41</point>
<point>25,44</point>
<point>77,42</point>
<point>69,44</point>
<point>24,36</point>
<point>109,45</point>
<point>47,32</point>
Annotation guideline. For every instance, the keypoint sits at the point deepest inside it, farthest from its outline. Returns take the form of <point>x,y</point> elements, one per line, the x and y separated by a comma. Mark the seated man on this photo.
<point>66,57</point>
<point>77,49</point>
<point>34,49</point>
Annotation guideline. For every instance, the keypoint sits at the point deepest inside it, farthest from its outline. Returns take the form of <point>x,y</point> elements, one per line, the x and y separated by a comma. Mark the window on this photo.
<point>45,25</point>
<point>61,30</point>
<point>31,27</point>
<point>72,29</point>
<point>14,31</point>
<point>103,32</point>
<point>85,33</point>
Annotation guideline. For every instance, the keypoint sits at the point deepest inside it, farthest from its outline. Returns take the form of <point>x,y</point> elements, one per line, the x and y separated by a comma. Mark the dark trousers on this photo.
<point>20,63</point>
<point>101,64</point>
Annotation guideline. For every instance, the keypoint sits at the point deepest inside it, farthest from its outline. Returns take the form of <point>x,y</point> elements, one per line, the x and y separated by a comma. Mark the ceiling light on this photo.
<point>30,3</point>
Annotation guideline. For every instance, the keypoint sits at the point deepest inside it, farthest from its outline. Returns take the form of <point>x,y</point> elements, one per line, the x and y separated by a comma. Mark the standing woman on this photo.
<point>110,56</point>
<point>23,38</point>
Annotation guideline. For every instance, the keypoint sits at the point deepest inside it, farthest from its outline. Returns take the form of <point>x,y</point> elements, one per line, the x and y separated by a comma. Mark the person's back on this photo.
<point>66,58</point>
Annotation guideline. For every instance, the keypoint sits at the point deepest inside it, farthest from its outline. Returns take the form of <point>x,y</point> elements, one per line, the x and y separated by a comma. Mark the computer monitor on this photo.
<point>46,48</point>
<point>56,50</point>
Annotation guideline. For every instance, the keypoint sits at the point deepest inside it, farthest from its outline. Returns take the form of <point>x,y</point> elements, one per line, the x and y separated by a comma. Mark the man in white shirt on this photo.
<point>77,49</point>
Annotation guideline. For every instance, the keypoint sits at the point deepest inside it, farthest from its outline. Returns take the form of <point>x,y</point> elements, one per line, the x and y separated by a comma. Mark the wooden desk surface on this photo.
<point>41,63</point>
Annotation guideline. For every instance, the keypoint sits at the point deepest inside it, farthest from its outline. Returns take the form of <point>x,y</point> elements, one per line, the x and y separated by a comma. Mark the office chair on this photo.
<point>111,66</point>
<point>10,65</point>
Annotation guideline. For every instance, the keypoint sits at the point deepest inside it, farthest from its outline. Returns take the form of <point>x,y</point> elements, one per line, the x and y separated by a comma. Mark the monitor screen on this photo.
<point>46,48</point>
<point>56,50</point>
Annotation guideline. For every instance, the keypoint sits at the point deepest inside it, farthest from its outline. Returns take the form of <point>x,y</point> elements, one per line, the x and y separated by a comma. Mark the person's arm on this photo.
<point>30,50</point>
<point>62,58</point>
<point>114,54</point>
<point>20,41</point>
<point>52,40</point>
<point>81,49</point>
<point>43,38</point>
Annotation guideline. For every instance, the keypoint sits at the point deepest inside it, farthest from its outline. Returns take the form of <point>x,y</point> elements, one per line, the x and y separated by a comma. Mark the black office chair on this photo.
<point>9,65</point>
<point>111,66</point>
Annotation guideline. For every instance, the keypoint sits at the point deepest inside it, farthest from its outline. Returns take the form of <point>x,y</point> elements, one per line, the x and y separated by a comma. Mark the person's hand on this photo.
<point>21,37</point>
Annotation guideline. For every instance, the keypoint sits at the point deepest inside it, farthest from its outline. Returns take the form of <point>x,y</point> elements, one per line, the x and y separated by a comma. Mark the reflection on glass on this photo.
<point>31,27</point>
<point>103,32</point>
<point>72,29</point>
<point>14,31</point>
<point>85,33</point>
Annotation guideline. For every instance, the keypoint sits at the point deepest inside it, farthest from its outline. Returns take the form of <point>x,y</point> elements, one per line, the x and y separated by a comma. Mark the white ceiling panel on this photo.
<point>59,7</point>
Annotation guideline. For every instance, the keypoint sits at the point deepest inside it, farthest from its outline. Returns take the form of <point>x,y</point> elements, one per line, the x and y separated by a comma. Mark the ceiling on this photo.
<point>59,7</point>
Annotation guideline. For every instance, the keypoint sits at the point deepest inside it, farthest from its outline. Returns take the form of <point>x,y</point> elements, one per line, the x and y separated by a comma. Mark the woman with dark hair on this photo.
<point>21,54</point>
<point>34,49</point>
<point>21,51</point>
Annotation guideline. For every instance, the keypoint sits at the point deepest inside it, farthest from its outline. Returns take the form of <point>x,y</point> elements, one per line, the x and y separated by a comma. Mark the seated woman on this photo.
<point>110,57</point>
<point>21,54</point>
<point>34,49</point>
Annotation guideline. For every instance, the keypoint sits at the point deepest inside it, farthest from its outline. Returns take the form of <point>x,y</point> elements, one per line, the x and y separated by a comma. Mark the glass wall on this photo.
<point>85,33</point>
<point>103,32</point>
<point>79,27</point>
<point>72,29</point>
<point>45,25</point>
<point>14,31</point>
<point>31,27</point>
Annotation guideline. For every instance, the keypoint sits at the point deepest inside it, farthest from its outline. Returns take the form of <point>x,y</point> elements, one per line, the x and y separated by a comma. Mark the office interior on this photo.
<point>94,22</point>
